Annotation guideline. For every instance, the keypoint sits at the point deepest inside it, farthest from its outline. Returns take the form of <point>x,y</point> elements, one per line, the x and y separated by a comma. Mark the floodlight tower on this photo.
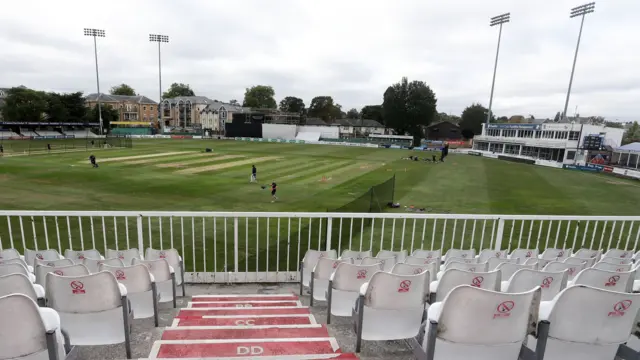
<point>96,33</point>
<point>159,39</point>
<point>496,20</point>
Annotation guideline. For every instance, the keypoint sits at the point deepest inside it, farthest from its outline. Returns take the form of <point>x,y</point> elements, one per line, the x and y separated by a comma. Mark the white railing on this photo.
<point>267,247</point>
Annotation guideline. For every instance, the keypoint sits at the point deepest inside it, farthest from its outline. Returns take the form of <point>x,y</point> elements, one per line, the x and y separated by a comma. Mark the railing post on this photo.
<point>235,244</point>
<point>140,234</point>
<point>499,233</point>
<point>329,227</point>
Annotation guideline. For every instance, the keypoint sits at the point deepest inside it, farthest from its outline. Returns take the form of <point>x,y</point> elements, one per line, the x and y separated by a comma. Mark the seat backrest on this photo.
<point>617,253</point>
<point>93,264</point>
<point>574,260</point>
<point>395,292</point>
<point>476,316</point>
<point>466,266</point>
<point>83,294</point>
<point>387,263</point>
<point>433,267</point>
<point>136,278</point>
<point>617,261</point>
<point>400,255</point>
<point>17,284</point>
<point>532,261</point>
<point>607,280</point>
<point>486,254</point>
<point>325,267</point>
<point>508,269</point>
<point>356,255</point>
<point>460,260</point>
<point>158,268</point>
<point>550,283</point>
<point>171,255</point>
<point>408,269</point>
<point>588,253</point>
<point>79,255</point>
<point>454,277</point>
<point>371,261</point>
<point>14,261</point>
<point>350,277</point>
<point>494,262</point>
<point>414,260</point>
<point>22,330</point>
<point>524,254</point>
<point>31,255</point>
<point>427,254</point>
<point>41,271</point>
<point>311,258</point>
<point>125,255</point>
<point>553,254</point>
<point>582,314</point>
<point>8,254</point>
<point>56,263</point>
<point>15,268</point>
<point>457,253</point>
<point>612,267</point>
<point>572,270</point>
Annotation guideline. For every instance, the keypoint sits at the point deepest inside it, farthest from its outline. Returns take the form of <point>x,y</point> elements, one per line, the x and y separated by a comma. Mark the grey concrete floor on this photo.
<point>144,333</point>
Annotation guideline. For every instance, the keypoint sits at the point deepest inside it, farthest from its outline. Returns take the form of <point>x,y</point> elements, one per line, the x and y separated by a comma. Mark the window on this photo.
<point>574,135</point>
<point>151,108</point>
<point>144,108</point>
<point>571,155</point>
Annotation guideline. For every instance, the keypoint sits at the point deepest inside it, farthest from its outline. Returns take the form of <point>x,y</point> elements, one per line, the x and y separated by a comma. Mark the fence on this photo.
<point>37,146</point>
<point>238,247</point>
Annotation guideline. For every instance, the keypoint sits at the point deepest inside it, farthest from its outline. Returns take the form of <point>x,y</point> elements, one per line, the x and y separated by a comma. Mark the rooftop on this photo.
<point>140,99</point>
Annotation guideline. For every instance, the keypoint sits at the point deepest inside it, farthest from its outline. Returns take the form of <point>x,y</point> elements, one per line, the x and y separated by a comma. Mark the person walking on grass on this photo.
<point>92,159</point>
<point>274,187</point>
<point>254,174</point>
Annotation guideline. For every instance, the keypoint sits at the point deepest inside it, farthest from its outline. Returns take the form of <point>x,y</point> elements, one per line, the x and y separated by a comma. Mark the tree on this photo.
<point>260,97</point>
<point>337,113</point>
<point>409,106</point>
<point>322,107</point>
<point>122,89</point>
<point>24,105</point>
<point>557,117</point>
<point>178,89</point>
<point>234,102</point>
<point>473,117</point>
<point>450,118</point>
<point>292,104</point>
<point>56,108</point>
<point>75,105</point>
<point>502,120</point>
<point>613,124</point>
<point>353,114</point>
<point>109,115</point>
<point>372,112</point>
<point>632,134</point>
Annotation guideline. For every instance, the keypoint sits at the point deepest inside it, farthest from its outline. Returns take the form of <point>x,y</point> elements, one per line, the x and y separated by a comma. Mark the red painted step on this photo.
<point>262,332</point>
<point>247,304</point>
<point>200,312</point>
<point>265,297</point>
<point>165,349</point>
<point>304,319</point>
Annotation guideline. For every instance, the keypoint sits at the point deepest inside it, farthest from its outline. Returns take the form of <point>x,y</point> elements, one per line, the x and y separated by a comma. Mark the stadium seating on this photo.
<point>613,260</point>
<point>56,263</point>
<point>126,256</point>
<point>31,255</point>
<point>603,279</point>
<point>320,277</point>
<point>427,254</point>
<point>93,309</point>
<point>70,270</point>
<point>492,326</point>
<point>387,263</point>
<point>17,261</point>
<point>508,269</point>
<point>309,262</point>
<point>456,253</point>
<point>141,289</point>
<point>550,283</point>
<point>460,260</point>
<point>26,132</point>
<point>344,286</point>
<point>80,255</point>
<point>4,134</point>
<point>94,264</point>
<point>48,133</point>
<point>357,256</point>
<point>173,258</point>
<point>572,270</point>
<point>431,265</point>
<point>588,253</point>
<point>20,284</point>
<point>555,254</point>
<point>30,332</point>
<point>612,267</point>
<point>16,268</point>
<point>486,254</point>
<point>575,260</point>
<point>80,134</point>
<point>463,265</point>
<point>524,254</point>
<point>390,307</point>
<point>494,262</point>
<point>617,253</point>
<point>9,254</point>
<point>164,276</point>
<point>399,255</point>
<point>454,277</point>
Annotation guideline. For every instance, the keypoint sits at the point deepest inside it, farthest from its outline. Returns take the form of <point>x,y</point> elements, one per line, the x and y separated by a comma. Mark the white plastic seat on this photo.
<point>93,264</point>
<point>487,254</point>
<point>355,255</point>
<point>636,256</point>
<point>493,262</point>
<point>71,270</point>
<point>390,307</point>
<point>451,259</point>
<point>572,269</point>
<point>454,277</point>
<point>550,283</point>
<point>555,254</point>
<point>8,254</point>
<point>585,323</point>
<point>480,324</point>
<point>636,285</point>
<point>387,263</point>
<point>141,289</point>
<point>524,254</point>
<point>320,277</point>
<point>407,269</point>
<point>508,269</point>
<point>56,263</point>
<point>588,253</point>
<point>534,261</point>
<point>79,255</point>
<point>29,332</point>
<point>575,260</point>
<point>16,268</point>
<point>31,255</point>
<point>20,284</point>
<point>617,261</point>
<point>612,267</point>
<point>457,253</point>
<point>460,265</point>
<point>309,262</point>
<point>175,261</point>
<point>344,287</point>
<point>164,276</point>
<point>17,261</point>
<point>427,254</point>
<point>93,309</point>
<point>400,255</point>
<point>415,260</point>
<point>126,256</point>
<point>432,265</point>
<point>617,253</point>
<point>606,280</point>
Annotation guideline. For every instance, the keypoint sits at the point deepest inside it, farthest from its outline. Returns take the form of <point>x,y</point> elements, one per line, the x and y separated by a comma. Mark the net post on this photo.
<point>371,199</point>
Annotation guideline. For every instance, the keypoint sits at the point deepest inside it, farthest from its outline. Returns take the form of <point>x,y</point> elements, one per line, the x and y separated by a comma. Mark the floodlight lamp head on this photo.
<point>583,9</point>
<point>500,19</point>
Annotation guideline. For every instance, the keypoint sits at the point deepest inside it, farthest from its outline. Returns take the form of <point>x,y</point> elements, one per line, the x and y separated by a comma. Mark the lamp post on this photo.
<point>582,11</point>
<point>496,20</point>
<point>159,39</point>
<point>96,33</point>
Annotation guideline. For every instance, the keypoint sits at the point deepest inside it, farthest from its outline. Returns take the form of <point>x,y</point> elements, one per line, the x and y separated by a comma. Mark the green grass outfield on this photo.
<point>190,180</point>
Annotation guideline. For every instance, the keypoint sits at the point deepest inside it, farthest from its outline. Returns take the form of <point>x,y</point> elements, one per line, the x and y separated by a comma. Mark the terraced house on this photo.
<point>197,112</point>
<point>137,108</point>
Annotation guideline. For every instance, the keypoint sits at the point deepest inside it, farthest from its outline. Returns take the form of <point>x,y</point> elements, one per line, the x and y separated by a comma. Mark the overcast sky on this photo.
<point>349,49</point>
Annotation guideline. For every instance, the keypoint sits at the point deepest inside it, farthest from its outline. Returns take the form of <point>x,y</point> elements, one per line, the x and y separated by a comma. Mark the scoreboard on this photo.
<point>592,142</point>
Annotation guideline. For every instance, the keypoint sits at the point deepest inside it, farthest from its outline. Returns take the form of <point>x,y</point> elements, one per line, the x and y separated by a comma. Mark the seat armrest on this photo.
<point>32,278</point>
<point>363,289</point>
<point>39,291</point>
<point>30,268</point>
<point>123,289</point>
<point>433,314</point>
<point>545,310</point>
<point>171,269</point>
<point>333,275</point>
<point>153,279</point>
<point>179,258</point>
<point>50,318</point>
<point>101,257</point>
